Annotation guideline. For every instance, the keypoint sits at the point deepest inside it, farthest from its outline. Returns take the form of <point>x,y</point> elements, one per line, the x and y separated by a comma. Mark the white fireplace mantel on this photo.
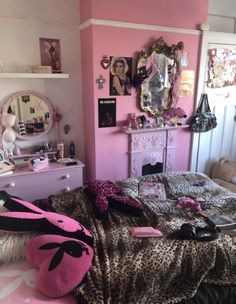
<point>151,146</point>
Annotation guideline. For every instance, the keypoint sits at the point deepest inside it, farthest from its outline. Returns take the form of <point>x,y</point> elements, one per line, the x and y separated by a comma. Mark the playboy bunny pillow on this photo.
<point>63,253</point>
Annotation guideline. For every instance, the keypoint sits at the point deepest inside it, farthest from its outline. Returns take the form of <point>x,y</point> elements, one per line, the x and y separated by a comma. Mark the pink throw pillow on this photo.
<point>62,262</point>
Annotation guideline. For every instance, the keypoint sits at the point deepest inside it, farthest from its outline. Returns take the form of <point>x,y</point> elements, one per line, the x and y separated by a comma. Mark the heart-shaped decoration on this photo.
<point>105,62</point>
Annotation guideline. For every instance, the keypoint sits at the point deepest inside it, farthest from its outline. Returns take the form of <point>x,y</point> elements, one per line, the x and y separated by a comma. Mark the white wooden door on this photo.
<point>208,147</point>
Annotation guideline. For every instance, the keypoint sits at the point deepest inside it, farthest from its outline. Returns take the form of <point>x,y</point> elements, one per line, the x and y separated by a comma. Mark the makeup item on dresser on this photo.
<point>38,163</point>
<point>72,163</point>
<point>72,150</point>
<point>60,150</point>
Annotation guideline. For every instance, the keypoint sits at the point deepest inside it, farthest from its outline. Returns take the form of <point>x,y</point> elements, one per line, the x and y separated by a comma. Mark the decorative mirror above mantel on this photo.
<point>33,114</point>
<point>158,72</point>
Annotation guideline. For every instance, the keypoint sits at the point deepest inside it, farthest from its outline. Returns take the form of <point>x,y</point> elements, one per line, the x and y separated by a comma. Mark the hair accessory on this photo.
<point>190,232</point>
<point>188,204</point>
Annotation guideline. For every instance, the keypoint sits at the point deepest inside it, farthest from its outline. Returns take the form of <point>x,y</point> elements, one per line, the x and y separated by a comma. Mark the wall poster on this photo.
<point>50,53</point>
<point>120,75</point>
<point>106,112</point>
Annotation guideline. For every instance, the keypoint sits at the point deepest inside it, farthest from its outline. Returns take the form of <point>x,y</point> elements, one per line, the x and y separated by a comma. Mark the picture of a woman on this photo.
<point>120,72</point>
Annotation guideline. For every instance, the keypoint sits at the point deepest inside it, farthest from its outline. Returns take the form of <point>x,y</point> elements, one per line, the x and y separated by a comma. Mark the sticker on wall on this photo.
<point>106,112</point>
<point>184,59</point>
<point>120,76</point>
<point>50,53</point>
<point>186,83</point>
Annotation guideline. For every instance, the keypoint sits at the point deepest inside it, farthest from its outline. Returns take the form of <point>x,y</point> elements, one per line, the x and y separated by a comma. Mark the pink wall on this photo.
<point>88,97</point>
<point>106,148</point>
<point>173,13</point>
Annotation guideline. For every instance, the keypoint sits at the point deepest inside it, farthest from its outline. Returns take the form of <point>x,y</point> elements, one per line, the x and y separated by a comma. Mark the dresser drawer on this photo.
<point>37,185</point>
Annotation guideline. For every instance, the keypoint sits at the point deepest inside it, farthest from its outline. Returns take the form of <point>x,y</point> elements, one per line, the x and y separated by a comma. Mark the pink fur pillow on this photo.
<point>105,194</point>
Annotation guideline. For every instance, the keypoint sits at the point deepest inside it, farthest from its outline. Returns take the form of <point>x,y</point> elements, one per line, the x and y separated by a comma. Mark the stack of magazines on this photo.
<point>6,168</point>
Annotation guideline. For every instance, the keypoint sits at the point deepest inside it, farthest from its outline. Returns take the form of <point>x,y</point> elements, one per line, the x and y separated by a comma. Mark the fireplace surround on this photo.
<point>151,146</point>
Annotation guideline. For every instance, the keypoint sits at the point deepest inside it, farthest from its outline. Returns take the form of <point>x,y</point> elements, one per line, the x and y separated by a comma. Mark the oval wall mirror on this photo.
<point>33,114</point>
<point>157,74</point>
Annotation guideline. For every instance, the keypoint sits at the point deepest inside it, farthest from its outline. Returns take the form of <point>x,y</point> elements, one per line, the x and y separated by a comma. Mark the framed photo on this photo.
<point>50,53</point>
<point>106,112</point>
<point>120,75</point>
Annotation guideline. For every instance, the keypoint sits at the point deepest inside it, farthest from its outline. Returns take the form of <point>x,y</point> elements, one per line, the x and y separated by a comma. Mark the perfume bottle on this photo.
<point>60,150</point>
<point>72,150</point>
<point>134,122</point>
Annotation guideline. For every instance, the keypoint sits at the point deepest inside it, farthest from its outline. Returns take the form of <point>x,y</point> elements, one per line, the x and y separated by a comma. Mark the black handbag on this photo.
<point>204,120</point>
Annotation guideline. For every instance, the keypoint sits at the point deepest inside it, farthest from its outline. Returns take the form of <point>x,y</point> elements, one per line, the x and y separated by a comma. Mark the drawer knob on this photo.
<point>12,184</point>
<point>67,176</point>
<point>67,189</point>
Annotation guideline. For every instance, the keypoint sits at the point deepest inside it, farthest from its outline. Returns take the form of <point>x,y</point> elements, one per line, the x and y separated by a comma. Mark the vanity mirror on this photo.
<point>157,76</point>
<point>33,114</point>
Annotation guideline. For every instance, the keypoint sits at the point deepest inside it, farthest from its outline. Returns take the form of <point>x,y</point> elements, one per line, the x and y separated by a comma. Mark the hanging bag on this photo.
<point>204,120</point>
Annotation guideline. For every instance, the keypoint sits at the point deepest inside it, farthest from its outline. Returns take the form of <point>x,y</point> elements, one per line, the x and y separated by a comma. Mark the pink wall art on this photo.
<point>50,53</point>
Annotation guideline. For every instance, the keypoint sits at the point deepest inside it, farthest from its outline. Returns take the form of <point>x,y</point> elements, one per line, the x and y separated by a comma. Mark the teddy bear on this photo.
<point>224,173</point>
<point>104,194</point>
<point>173,116</point>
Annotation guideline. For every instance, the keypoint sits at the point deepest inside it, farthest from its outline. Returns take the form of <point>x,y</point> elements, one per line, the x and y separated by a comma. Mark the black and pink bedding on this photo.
<point>153,270</point>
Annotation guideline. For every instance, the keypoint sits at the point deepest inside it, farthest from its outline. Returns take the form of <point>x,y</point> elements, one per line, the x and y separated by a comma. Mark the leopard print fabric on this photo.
<point>164,270</point>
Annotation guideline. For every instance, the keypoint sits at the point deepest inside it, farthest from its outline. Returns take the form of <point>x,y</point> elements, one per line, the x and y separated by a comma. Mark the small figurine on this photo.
<point>16,150</point>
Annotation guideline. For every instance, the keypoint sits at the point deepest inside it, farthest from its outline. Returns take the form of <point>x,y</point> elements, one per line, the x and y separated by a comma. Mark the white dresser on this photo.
<point>30,185</point>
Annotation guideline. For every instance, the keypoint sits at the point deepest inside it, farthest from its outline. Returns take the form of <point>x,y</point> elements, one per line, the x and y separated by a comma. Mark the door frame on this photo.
<point>208,37</point>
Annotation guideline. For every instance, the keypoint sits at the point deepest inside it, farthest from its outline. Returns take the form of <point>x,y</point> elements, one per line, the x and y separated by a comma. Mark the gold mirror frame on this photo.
<point>158,72</point>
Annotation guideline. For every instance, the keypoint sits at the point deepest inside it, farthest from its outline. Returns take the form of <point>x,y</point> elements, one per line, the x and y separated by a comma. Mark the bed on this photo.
<point>155,270</point>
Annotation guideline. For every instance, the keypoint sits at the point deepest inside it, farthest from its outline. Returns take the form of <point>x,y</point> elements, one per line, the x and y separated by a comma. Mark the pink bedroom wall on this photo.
<point>173,13</point>
<point>106,148</point>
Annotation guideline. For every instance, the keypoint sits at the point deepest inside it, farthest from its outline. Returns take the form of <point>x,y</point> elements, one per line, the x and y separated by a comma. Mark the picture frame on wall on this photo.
<point>120,76</point>
<point>106,112</point>
<point>50,53</point>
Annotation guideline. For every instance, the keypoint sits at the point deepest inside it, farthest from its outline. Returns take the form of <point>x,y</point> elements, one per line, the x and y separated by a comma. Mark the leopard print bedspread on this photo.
<point>129,270</point>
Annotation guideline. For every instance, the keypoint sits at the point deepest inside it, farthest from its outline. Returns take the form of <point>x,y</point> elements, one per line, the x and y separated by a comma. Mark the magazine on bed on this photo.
<point>223,221</point>
<point>151,190</point>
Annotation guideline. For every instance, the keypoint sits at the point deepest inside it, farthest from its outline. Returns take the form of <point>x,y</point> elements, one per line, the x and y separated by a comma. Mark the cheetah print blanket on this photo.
<point>129,270</point>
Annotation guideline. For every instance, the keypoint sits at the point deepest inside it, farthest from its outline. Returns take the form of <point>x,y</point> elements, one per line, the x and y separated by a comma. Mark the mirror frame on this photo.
<point>172,53</point>
<point>45,99</point>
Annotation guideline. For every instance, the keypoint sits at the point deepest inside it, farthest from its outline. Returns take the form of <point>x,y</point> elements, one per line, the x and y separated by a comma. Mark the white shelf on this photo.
<point>34,75</point>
